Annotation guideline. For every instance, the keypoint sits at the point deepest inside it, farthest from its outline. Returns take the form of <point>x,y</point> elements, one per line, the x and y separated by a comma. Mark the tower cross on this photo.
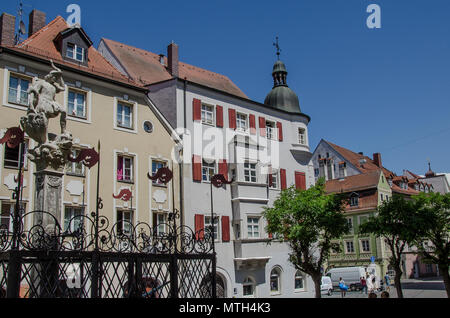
<point>278,48</point>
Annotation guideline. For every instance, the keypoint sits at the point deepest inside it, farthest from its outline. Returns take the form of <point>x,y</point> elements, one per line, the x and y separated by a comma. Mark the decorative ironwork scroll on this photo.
<point>89,157</point>
<point>164,175</point>
<point>13,137</point>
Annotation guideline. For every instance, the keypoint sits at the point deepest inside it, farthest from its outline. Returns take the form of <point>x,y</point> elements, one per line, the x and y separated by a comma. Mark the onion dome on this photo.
<point>281,96</point>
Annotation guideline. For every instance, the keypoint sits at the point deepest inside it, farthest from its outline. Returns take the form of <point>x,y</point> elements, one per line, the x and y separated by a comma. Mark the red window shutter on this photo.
<point>232,118</point>
<point>225,228</point>
<point>269,176</point>
<point>252,121</point>
<point>262,126</point>
<point>223,168</point>
<point>197,110</point>
<point>280,131</point>
<point>199,226</point>
<point>219,116</point>
<point>300,180</point>
<point>197,168</point>
<point>283,179</point>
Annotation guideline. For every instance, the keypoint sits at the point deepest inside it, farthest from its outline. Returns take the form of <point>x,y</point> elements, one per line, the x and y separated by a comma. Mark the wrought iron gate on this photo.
<point>105,263</point>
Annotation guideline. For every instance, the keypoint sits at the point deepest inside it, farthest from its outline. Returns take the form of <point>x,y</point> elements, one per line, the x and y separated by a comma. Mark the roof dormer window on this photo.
<point>75,52</point>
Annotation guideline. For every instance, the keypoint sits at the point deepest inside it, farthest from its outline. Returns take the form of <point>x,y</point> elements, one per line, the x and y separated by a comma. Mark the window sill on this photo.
<point>75,175</point>
<point>79,119</point>
<point>124,129</point>
<point>125,181</point>
<point>159,185</point>
<point>16,106</point>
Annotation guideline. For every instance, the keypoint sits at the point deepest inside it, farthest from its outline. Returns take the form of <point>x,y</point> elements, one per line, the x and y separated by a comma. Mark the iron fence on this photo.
<point>139,263</point>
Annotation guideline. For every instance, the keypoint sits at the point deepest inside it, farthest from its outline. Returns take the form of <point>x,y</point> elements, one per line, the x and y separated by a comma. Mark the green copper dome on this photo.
<point>281,96</point>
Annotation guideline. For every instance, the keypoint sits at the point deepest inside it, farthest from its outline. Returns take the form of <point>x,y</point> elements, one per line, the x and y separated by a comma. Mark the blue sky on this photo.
<point>371,90</point>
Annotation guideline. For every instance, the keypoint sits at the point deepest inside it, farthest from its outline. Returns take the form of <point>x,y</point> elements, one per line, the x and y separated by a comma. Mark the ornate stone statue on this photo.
<point>52,150</point>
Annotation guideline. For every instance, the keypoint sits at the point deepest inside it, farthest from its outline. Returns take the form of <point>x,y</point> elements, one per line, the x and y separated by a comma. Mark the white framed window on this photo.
<point>124,115</point>
<point>365,245</point>
<point>18,89</point>
<point>75,168</point>
<point>207,114</point>
<point>354,200</point>
<point>241,122</point>
<point>6,216</point>
<point>302,136</point>
<point>299,281</point>
<point>349,247</point>
<point>271,131</point>
<point>124,222</point>
<point>275,281</point>
<point>215,225</point>
<point>350,224</point>
<point>156,165</point>
<point>248,287</point>
<point>7,213</point>
<point>72,218</point>
<point>160,223</point>
<point>76,104</point>
<point>75,52</point>
<point>250,172</point>
<point>253,227</point>
<point>12,156</point>
<point>208,170</point>
<point>125,168</point>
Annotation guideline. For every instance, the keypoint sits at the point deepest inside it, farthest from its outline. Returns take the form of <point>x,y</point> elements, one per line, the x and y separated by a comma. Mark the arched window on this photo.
<point>299,281</point>
<point>275,281</point>
<point>249,287</point>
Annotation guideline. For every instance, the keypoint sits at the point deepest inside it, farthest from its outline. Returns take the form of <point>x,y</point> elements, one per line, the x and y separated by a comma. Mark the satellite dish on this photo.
<point>22,28</point>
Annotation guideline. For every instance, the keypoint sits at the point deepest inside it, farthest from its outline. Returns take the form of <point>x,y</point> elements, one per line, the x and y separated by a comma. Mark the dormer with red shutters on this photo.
<point>73,44</point>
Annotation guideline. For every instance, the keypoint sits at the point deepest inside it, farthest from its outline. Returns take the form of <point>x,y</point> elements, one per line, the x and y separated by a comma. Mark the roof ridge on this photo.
<point>157,55</point>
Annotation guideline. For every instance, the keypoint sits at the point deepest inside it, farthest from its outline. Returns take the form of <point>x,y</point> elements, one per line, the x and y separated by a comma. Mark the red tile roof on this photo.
<point>145,66</point>
<point>354,158</point>
<point>41,45</point>
<point>367,180</point>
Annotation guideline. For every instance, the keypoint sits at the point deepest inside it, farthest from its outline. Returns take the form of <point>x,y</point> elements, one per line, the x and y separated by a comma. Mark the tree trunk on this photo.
<point>443,269</point>
<point>317,283</point>
<point>397,281</point>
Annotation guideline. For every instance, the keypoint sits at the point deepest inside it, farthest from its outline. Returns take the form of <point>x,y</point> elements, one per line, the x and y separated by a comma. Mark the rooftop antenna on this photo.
<point>22,29</point>
<point>278,48</point>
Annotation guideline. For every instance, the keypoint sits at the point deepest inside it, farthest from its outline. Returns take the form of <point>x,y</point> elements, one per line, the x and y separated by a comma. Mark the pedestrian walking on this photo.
<point>342,287</point>
<point>370,281</point>
<point>387,282</point>
<point>363,285</point>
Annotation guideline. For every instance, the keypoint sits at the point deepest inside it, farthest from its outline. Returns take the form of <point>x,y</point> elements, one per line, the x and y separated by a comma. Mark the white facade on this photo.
<point>246,262</point>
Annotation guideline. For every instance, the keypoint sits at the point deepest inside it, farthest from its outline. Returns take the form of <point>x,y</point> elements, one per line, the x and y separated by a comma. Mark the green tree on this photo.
<point>308,221</point>
<point>396,223</point>
<point>433,242</point>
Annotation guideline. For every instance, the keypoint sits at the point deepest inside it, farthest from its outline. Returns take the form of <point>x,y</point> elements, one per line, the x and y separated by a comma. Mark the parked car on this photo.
<point>351,276</point>
<point>326,287</point>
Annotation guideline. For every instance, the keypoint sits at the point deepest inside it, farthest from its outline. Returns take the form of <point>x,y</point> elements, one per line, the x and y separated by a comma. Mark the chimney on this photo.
<point>36,22</point>
<point>172,59</point>
<point>7,29</point>
<point>377,159</point>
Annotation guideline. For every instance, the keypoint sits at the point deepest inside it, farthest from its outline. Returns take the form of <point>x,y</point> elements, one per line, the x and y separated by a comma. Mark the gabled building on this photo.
<point>101,105</point>
<point>262,147</point>
<point>365,192</point>
<point>341,166</point>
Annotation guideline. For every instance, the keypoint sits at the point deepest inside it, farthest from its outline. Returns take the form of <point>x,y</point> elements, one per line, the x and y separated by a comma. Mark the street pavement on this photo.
<point>412,288</point>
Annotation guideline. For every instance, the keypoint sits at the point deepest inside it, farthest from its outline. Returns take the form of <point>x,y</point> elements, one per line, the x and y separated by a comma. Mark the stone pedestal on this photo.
<point>48,197</point>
